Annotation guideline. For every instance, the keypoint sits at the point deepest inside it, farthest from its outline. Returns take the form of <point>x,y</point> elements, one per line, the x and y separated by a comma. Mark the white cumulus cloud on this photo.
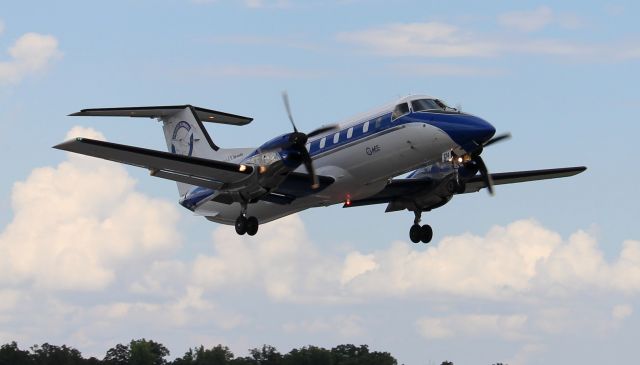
<point>74,223</point>
<point>30,54</point>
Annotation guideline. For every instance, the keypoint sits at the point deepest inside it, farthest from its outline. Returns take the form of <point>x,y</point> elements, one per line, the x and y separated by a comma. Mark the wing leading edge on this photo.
<point>476,183</point>
<point>401,188</point>
<point>190,170</point>
<point>196,171</point>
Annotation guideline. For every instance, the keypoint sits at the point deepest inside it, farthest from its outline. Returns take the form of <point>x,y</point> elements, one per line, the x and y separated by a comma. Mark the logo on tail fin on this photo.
<point>182,139</point>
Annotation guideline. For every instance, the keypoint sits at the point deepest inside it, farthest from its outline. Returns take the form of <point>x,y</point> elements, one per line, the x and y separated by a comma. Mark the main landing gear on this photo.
<point>244,224</point>
<point>419,233</point>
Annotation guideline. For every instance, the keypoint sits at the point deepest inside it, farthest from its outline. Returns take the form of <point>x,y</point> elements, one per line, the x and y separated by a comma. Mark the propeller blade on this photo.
<point>486,177</point>
<point>497,139</point>
<point>322,130</point>
<point>285,99</point>
<point>308,164</point>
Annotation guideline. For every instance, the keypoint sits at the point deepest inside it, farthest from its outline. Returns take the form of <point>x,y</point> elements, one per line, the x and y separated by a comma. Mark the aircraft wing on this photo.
<point>402,188</point>
<point>191,170</point>
<point>475,183</point>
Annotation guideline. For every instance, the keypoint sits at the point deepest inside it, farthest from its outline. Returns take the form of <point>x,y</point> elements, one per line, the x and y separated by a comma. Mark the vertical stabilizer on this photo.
<point>185,135</point>
<point>182,125</point>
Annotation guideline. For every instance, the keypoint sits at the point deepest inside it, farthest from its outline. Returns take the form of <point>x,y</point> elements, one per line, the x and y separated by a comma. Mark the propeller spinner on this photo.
<point>479,162</point>
<point>298,142</point>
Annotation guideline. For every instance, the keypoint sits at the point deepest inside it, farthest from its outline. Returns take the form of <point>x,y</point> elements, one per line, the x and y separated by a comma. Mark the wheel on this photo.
<point>426,233</point>
<point>241,225</point>
<point>415,233</point>
<point>252,226</point>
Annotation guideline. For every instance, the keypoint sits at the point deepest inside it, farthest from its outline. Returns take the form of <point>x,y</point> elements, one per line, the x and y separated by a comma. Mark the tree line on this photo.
<point>148,352</point>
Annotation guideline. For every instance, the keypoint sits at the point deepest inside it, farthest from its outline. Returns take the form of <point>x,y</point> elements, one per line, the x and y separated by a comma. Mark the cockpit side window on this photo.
<point>429,104</point>
<point>400,110</point>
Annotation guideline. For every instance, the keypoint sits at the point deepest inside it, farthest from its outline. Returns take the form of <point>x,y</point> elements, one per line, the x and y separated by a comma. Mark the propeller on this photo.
<point>479,162</point>
<point>299,140</point>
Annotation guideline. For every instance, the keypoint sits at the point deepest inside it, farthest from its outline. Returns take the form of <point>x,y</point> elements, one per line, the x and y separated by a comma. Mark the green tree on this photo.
<point>349,354</point>
<point>147,352</point>
<point>267,355</point>
<point>310,355</point>
<point>118,355</point>
<point>56,355</point>
<point>10,354</point>
<point>360,355</point>
<point>217,355</point>
<point>379,358</point>
<point>187,359</point>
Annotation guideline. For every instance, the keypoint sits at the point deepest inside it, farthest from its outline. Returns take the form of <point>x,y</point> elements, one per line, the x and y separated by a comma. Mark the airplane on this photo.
<point>354,163</point>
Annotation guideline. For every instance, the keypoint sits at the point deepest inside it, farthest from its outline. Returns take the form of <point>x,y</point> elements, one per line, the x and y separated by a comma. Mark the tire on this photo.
<point>415,233</point>
<point>426,233</point>
<point>241,225</point>
<point>252,226</point>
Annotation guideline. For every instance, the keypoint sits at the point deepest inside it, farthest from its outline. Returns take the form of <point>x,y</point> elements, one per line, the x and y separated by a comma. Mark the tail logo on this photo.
<point>182,139</point>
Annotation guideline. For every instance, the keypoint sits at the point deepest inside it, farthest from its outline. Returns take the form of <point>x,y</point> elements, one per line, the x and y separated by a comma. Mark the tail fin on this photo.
<point>182,126</point>
<point>185,135</point>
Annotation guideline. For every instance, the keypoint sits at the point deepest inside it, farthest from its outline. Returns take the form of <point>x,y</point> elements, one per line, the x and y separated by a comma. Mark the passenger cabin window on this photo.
<point>429,104</point>
<point>365,127</point>
<point>322,142</point>
<point>336,138</point>
<point>349,132</point>
<point>400,110</point>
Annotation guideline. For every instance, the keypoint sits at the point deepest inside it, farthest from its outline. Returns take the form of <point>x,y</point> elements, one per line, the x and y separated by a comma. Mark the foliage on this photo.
<point>147,352</point>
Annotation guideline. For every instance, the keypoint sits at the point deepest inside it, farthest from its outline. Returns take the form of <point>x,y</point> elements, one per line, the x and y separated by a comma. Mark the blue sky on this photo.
<point>542,272</point>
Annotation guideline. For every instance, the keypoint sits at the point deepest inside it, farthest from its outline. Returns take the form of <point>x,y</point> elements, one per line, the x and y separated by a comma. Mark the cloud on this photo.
<point>431,39</point>
<point>509,327</point>
<point>443,69</point>
<point>31,53</point>
<point>347,327</point>
<point>621,312</point>
<point>254,71</point>
<point>283,262</point>
<point>75,223</point>
<point>356,264</point>
<point>519,260</point>
<point>537,19</point>
<point>527,21</point>
<point>442,40</point>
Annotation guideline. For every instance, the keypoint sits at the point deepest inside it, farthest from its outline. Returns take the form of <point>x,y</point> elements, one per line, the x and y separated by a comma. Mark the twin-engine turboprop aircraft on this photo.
<point>354,163</point>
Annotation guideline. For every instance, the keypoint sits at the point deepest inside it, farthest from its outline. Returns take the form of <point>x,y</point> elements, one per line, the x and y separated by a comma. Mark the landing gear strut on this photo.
<point>244,224</point>
<point>419,233</point>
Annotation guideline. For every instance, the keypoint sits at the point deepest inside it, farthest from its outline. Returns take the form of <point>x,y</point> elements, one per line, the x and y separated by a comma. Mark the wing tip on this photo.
<point>66,145</point>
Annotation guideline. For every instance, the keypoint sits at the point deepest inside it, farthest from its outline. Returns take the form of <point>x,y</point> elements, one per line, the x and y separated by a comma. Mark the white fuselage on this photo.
<point>361,167</point>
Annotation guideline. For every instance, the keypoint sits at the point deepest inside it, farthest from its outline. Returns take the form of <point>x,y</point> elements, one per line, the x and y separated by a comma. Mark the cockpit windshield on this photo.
<point>429,104</point>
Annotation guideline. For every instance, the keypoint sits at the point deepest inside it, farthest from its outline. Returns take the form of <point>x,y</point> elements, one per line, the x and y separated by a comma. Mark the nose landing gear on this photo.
<point>244,224</point>
<point>419,233</point>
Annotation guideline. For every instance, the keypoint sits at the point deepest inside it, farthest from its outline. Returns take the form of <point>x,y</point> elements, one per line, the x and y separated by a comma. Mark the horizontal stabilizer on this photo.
<point>202,114</point>
<point>190,170</point>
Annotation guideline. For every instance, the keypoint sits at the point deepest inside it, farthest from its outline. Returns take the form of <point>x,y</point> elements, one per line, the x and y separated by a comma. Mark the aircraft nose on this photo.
<point>482,131</point>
